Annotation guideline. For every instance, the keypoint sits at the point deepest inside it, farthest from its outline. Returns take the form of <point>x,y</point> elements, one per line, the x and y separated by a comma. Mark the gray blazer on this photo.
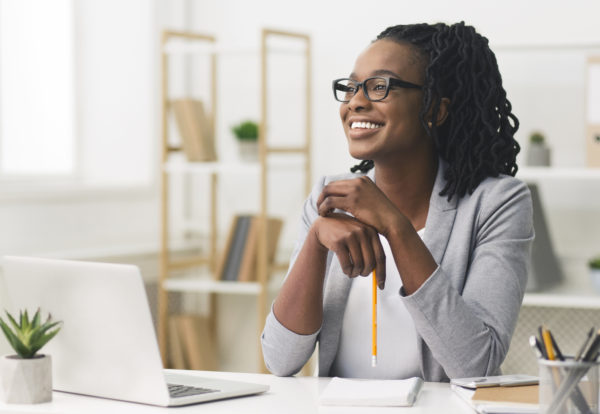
<point>465,313</point>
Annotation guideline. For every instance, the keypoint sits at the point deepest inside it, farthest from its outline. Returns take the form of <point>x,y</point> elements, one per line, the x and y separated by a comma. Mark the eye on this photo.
<point>377,87</point>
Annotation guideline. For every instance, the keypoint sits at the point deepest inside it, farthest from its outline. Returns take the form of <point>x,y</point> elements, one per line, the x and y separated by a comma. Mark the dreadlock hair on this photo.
<point>477,138</point>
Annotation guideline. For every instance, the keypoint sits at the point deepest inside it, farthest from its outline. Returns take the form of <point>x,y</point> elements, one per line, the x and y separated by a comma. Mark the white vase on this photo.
<point>248,150</point>
<point>25,381</point>
<point>595,277</point>
<point>538,155</point>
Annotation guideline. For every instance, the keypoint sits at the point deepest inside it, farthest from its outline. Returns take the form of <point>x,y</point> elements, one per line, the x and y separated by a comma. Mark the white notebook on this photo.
<point>363,392</point>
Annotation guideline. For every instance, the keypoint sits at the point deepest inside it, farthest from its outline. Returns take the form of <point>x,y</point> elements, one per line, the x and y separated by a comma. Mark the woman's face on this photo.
<point>395,128</point>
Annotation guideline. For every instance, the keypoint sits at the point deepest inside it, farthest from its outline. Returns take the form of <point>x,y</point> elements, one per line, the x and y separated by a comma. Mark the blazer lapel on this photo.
<point>440,218</point>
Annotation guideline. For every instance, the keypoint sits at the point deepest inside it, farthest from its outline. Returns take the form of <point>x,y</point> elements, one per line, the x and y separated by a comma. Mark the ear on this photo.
<point>443,111</point>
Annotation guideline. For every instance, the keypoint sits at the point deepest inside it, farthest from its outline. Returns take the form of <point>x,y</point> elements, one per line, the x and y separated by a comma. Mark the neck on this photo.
<point>408,183</point>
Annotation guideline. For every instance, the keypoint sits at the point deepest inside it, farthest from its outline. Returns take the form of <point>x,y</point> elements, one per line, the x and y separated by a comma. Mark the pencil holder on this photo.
<point>568,387</point>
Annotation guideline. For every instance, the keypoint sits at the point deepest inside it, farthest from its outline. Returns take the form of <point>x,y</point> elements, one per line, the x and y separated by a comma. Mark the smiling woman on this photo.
<point>432,210</point>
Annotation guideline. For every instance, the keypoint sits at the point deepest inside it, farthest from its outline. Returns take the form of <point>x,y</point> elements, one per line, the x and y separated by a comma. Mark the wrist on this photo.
<point>313,240</point>
<point>397,228</point>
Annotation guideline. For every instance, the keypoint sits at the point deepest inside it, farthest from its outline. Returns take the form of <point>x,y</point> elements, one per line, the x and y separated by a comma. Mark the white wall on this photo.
<point>112,202</point>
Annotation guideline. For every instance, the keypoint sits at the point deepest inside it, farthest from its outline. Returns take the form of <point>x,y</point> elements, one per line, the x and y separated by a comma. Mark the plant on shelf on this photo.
<point>247,134</point>
<point>246,131</point>
<point>27,376</point>
<point>594,265</point>
<point>536,138</point>
<point>538,153</point>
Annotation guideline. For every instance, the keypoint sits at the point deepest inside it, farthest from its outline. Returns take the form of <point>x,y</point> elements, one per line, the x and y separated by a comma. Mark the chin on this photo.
<point>359,153</point>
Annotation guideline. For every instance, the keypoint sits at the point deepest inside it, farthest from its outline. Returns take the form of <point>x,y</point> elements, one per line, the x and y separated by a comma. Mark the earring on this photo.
<point>429,124</point>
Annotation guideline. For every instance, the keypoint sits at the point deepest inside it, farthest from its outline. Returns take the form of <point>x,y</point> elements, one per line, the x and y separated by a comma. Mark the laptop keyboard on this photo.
<point>177,390</point>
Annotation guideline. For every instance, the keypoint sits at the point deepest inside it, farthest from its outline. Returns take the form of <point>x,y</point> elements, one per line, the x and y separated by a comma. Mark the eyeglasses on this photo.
<point>376,88</point>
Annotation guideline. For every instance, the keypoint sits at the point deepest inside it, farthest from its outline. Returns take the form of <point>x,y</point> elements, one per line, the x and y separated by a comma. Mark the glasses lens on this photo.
<point>344,90</point>
<point>376,88</point>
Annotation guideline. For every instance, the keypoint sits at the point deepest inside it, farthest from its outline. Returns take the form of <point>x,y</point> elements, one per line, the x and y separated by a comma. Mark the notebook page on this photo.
<point>361,392</point>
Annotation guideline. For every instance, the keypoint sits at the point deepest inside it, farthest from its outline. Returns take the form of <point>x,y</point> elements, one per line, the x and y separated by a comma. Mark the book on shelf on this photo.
<point>197,348</point>
<point>239,259</point>
<point>195,129</point>
<point>234,249</point>
<point>247,272</point>
<point>176,355</point>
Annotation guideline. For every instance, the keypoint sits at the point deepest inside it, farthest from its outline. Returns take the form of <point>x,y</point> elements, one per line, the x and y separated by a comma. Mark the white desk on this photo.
<point>287,395</point>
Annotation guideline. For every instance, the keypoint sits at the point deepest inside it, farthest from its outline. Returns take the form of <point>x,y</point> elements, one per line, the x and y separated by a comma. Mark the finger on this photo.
<point>380,261</point>
<point>368,253</point>
<point>356,254</point>
<point>331,203</point>
<point>335,188</point>
<point>344,257</point>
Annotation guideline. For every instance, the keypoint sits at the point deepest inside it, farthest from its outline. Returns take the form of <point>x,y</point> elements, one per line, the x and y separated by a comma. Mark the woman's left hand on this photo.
<point>364,200</point>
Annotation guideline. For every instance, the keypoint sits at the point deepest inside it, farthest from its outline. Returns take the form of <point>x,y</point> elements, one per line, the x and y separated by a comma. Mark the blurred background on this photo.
<point>81,118</point>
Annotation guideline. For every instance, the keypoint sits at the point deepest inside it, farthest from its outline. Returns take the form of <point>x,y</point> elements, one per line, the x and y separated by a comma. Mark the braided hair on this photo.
<point>477,138</point>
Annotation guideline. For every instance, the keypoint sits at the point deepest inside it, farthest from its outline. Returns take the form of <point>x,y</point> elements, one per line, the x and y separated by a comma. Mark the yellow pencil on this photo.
<point>548,343</point>
<point>374,324</point>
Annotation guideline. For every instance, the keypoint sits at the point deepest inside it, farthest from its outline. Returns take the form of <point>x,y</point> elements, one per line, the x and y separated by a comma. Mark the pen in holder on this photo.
<point>568,387</point>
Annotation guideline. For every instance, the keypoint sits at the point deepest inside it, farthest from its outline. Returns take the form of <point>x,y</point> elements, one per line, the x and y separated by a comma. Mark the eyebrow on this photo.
<point>380,72</point>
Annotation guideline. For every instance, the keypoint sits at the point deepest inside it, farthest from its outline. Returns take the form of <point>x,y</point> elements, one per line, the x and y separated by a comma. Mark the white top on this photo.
<point>397,352</point>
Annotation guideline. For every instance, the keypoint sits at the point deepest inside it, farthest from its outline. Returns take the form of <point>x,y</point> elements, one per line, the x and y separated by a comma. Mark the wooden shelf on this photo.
<point>558,173</point>
<point>578,294</point>
<point>204,285</point>
<point>188,48</point>
<point>242,167</point>
<point>558,300</point>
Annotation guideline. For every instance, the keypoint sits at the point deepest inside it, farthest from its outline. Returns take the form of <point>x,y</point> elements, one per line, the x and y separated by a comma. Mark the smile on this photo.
<point>365,125</point>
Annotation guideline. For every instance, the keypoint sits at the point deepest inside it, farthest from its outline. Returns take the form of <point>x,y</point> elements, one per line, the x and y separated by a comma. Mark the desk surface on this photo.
<point>286,395</point>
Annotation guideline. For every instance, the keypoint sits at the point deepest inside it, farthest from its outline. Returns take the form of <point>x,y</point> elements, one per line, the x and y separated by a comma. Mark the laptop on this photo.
<point>107,346</point>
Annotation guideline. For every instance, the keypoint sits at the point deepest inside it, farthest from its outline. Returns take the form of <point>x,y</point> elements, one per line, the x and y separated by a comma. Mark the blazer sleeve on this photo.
<point>285,352</point>
<point>468,327</point>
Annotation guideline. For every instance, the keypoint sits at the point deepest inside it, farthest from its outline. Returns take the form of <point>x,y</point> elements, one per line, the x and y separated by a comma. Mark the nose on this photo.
<point>359,100</point>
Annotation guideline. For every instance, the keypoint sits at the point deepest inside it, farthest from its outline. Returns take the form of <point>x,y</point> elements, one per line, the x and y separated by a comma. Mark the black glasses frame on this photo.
<point>389,83</point>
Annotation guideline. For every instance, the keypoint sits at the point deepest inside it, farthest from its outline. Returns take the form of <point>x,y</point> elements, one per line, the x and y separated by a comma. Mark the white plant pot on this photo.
<point>248,150</point>
<point>25,381</point>
<point>595,277</point>
<point>538,155</point>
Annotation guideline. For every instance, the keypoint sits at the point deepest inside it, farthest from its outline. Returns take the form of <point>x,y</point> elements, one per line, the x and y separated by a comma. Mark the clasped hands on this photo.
<point>355,238</point>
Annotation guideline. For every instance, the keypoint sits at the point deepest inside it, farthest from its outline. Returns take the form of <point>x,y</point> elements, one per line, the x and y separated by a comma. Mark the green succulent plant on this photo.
<point>595,263</point>
<point>246,131</point>
<point>29,336</point>
<point>537,138</point>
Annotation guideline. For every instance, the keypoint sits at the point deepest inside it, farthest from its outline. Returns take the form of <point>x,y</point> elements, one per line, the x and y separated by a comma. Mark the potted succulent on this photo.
<point>538,153</point>
<point>246,133</point>
<point>594,265</point>
<point>26,378</point>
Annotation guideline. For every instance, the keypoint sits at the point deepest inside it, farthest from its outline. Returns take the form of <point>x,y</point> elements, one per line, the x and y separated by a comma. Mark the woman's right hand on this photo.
<point>356,245</point>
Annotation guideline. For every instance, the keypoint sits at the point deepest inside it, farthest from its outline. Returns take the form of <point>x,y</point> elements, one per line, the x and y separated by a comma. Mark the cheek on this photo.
<point>343,115</point>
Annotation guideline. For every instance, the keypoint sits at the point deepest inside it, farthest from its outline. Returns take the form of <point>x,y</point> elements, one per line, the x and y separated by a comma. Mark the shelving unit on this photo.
<point>204,281</point>
<point>534,75</point>
<point>569,308</point>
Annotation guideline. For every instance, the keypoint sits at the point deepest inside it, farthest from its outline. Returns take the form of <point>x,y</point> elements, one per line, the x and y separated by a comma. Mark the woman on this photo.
<point>433,208</point>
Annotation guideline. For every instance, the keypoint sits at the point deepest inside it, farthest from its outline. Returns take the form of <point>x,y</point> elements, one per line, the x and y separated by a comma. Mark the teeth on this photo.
<point>365,125</point>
